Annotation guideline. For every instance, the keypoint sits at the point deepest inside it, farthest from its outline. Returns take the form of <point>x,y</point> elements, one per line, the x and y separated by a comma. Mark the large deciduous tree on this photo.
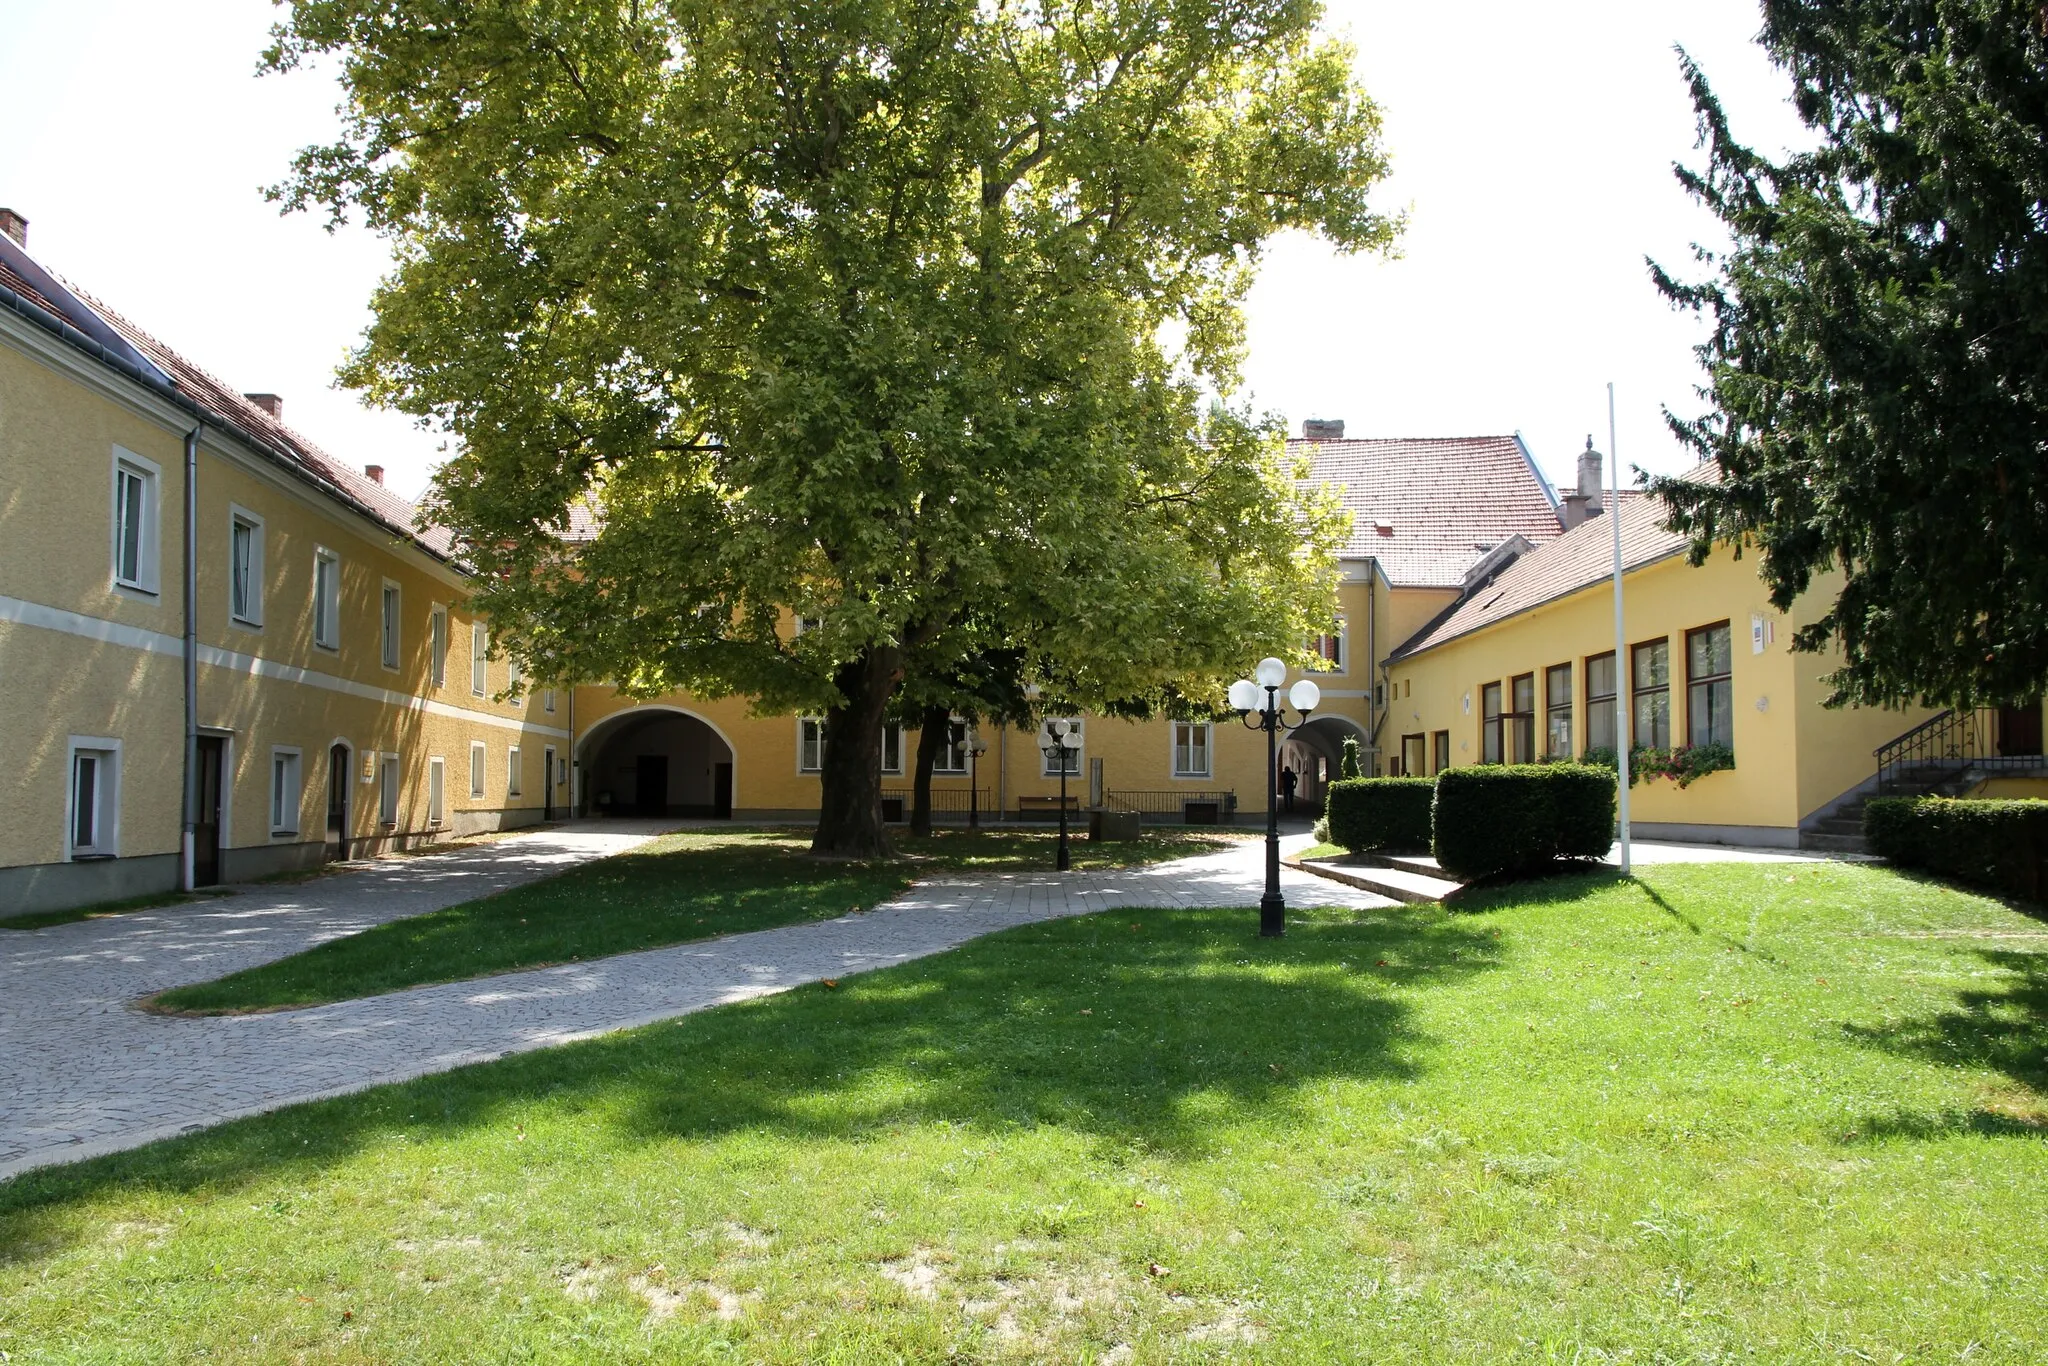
<point>1878,358</point>
<point>880,313</point>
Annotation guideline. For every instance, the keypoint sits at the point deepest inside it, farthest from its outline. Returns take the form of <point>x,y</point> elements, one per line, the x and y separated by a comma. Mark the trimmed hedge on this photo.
<point>1381,813</point>
<point>1999,844</point>
<point>1516,818</point>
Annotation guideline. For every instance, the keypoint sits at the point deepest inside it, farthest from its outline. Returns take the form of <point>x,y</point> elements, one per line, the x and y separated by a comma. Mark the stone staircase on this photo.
<point>1840,831</point>
<point>1415,879</point>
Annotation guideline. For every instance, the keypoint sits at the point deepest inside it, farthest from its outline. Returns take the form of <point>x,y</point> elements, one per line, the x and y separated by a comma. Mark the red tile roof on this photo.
<point>1428,508</point>
<point>1579,559</point>
<point>221,400</point>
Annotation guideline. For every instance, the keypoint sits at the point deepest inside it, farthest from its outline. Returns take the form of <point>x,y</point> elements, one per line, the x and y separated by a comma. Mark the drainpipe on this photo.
<point>1373,671</point>
<point>575,765</point>
<point>188,841</point>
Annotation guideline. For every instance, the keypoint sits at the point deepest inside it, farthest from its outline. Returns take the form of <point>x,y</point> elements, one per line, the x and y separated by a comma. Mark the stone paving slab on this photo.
<point>82,1072</point>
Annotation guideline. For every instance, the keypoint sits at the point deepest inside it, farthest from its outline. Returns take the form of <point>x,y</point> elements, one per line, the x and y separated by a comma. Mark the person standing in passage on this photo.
<point>1289,779</point>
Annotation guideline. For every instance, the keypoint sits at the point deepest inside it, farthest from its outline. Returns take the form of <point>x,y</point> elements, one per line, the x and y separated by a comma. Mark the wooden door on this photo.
<point>337,803</point>
<point>547,782</point>
<point>2019,729</point>
<point>206,834</point>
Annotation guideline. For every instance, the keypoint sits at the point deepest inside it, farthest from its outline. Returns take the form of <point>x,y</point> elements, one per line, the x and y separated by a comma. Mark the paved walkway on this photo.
<point>82,1072</point>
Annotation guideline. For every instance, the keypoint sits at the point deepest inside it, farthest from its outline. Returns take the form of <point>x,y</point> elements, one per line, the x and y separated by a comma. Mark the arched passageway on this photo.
<point>657,762</point>
<point>1314,752</point>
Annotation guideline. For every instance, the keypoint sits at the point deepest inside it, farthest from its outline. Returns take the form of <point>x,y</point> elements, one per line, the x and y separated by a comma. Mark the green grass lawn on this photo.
<point>1756,1113</point>
<point>690,885</point>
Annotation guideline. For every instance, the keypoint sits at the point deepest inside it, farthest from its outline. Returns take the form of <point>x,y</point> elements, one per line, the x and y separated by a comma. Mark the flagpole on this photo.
<point>1621,659</point>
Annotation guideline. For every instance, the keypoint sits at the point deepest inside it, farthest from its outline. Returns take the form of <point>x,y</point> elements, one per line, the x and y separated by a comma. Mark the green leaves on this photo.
<point>903,316</point>
<point>1878,363</point>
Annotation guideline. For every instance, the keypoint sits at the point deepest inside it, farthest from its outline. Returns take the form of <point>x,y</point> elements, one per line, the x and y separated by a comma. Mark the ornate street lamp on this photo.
<point>976,747</point>
<point>1246,699</point>
<point>1061,740</point>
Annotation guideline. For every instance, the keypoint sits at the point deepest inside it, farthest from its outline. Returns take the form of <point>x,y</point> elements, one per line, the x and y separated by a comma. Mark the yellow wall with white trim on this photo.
<point>1792,755</point>
<point>108,662</point>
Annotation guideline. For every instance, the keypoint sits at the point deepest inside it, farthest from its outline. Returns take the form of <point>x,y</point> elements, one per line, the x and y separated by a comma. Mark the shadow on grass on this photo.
<point>2006,1030</point>
<point>1145,1030</point>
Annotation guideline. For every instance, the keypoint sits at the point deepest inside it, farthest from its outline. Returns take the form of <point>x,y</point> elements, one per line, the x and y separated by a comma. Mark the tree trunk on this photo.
<point>933,732</point>
<point>850,786</point>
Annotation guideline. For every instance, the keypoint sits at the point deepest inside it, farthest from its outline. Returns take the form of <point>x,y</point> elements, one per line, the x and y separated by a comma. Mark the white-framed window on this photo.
<point>437,790</point>
<point>387,788</point>
<point>1191,749</point>
<point>1076,740</point>
<point>92,813</point>
<point>245,567</point>
<point>479,654</point>
<point>547,699</point>
<point>892,748</point>
<point>326,599</point>
<point>952,756</point>
<point>1331,648</point>
<point>805,625</point>
<point>389,606</point>
<point>513,676</point>
<point>437,626</point>
<point>285,790</point>
<point>810,744</point>
<point>512,772</point>
<point>476,768</point>
<point>136,521</point>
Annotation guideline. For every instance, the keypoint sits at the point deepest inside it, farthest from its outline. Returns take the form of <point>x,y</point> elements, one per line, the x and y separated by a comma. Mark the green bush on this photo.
<point>1347,767</point>
<point>1380,813</point>
<point>1517,818</point>
<point>2000,844</point>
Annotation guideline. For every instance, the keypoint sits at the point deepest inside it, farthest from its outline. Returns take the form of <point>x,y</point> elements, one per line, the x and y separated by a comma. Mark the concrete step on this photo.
<point>1838,825</point>
<point>1411,863</point>
<point>1820,842</point>
<point>1399,884</point>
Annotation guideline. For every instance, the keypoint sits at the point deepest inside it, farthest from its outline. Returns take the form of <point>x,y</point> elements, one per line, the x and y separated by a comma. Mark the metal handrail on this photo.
<point>944,798</point>
<point>1170,801</point>
<point>1948,743</point>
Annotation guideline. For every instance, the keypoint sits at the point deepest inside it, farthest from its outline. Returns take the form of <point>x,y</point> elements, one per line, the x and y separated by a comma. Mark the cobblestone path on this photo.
<point>82,1072</point>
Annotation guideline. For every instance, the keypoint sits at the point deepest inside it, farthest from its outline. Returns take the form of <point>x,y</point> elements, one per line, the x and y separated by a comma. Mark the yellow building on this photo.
<point>343,699</point>
<point>1411,551</point>
<point>1523,667</point>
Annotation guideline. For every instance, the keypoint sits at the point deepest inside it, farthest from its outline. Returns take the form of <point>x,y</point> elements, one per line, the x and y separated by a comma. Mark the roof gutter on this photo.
<point>1542,481</point>
<point>150,378</point>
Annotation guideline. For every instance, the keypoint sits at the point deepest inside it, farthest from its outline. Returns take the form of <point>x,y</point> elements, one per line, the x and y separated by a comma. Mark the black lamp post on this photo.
<point>976,747</point>
<point>1262,698</point>
<point>1061,740</point>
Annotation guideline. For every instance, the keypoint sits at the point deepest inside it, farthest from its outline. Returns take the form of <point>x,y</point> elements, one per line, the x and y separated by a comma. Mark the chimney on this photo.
<point>269,403</point>
<point>1583,503</point>
<point>1322,429</point>
<point>376,473</point>
<point>15,226</point>
<point>1591,462</point>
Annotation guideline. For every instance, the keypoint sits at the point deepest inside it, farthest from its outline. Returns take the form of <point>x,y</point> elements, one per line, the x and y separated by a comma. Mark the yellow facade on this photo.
<point>102,663</point>
<point>1793,757</point>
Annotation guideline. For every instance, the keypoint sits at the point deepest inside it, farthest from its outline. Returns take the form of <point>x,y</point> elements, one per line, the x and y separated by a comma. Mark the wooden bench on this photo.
<point>1044,805</point>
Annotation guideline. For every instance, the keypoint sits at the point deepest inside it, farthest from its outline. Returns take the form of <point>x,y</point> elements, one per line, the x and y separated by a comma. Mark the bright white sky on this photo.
<point>1531,143</point>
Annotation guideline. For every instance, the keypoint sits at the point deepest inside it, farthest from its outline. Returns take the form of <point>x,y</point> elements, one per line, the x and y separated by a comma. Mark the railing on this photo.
<point>943,799</point>
<point>1175,802</point>
<point>1942,747</point>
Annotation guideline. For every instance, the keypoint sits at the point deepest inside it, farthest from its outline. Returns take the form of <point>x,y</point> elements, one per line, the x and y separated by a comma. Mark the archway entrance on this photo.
<point>656,762</point>
<point>1314,752</point>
